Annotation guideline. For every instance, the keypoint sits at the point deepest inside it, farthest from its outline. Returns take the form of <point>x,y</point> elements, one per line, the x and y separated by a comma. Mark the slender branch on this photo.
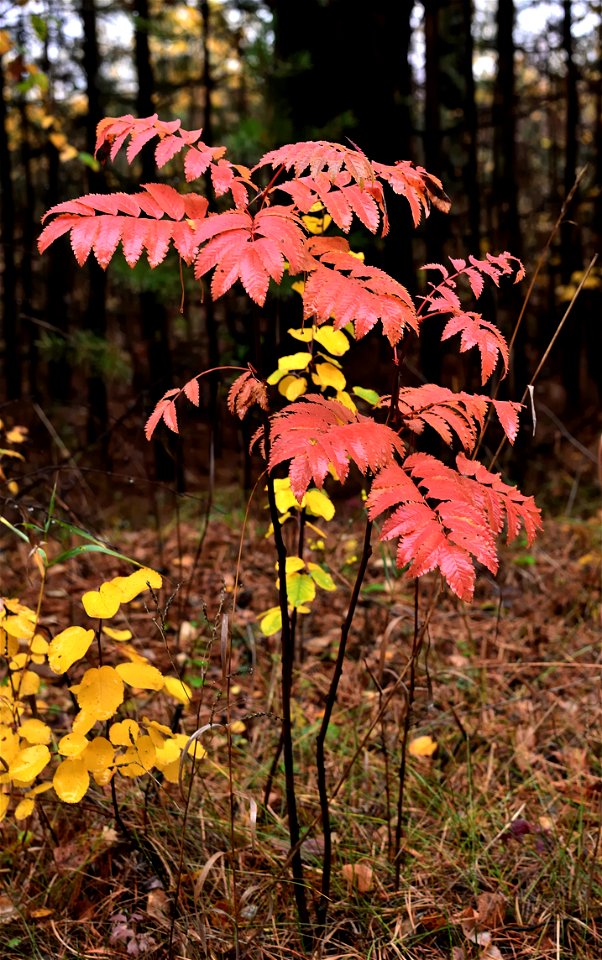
<point>416,646</point>
<point>288,656</point>
<point>322,907</point>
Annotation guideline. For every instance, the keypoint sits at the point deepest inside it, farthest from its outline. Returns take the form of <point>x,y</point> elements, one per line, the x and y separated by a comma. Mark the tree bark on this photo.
<point>10,315</point>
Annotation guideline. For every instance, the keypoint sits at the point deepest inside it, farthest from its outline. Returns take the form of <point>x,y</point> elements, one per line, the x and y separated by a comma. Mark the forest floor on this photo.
<point>500,832</point>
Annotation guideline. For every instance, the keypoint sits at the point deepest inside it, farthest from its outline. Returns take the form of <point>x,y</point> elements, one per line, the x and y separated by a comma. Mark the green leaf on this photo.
<point>19,533</point>
<point>321,576</point>
<point>40,26</point>
<point>300,588</point>
<point>370,396</point>
<point>271,622</point>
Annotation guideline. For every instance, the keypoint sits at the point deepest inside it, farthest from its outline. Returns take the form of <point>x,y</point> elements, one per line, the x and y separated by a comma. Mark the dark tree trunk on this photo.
<point>570,241</point>
<point>10,315</point>
<point>96,312</point>
<point>471,135</point>
<point>505,190</point>
<point>153,314</point>
<point>507,233</point>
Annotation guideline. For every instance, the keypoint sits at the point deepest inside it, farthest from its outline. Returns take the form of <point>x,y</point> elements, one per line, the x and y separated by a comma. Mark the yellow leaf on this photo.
<point>8,645</point>
<point>327,375</point>
<point>118,635</point>
<point>294,361</point>
<point>58,140</point>
<point>319,504</point>
<point>142,675</point>
<point>347,401</point>
<point>305,334</point>
<point>271,621</point>
<point>24,809</point>
<point>4,802</point>
<point>103,603</point>
<point>69,646</point>
<point>100,693</point>
<point>293,564</point>
<point>98,755</point>
<point>20,626</point>
<point>34,731</point>
<point>422,747</point>
<point>332,340</point>
<point>72,744</point>
<point>82,722</point>
<point>39,646</point>
<point>26,682</point>
<point>17,435</point>
<point>178,689</point>
<point>237,726</point>
<point>29,762</point>
<point>39,788</point>
<point>5,42</point>
<point>124,733</point>
<point>167,753</point>
<point>292,387</point>
<point>71,780</point>
<point>136,583</point>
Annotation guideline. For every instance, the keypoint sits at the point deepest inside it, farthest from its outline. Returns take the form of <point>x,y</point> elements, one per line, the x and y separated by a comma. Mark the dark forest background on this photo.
<point>500,99</point>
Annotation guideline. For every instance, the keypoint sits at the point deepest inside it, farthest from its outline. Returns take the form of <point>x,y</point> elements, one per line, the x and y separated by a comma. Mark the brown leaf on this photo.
<point>358,875</point>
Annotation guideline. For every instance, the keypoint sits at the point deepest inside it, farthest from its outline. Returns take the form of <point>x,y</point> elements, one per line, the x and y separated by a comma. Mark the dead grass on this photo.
<point>501,848</point>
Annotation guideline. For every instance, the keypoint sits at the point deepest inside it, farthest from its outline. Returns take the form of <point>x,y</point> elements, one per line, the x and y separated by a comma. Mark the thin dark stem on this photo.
<point>322,907</point>
<point>416,646</point>
<point>288,656</point>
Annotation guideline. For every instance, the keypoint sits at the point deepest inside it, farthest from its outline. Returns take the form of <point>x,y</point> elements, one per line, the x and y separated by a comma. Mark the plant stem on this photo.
<point>416,647</point>
<point>288,656</point>
<point>322,907</point>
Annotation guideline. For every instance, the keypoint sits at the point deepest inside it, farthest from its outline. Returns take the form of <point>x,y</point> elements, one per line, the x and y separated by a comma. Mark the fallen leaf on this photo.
<point>358,875</point>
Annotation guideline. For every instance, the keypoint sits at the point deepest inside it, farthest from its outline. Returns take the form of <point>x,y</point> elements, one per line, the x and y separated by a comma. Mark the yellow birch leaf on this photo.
<point>332,340</point>
<point>4,802</point>
<point>35,731</point>
<point>29,762</point>
<point>26,682</point>
<point>327,375</point>
<point>142,675</point>
<point>167,753</point>
<point>271,622</point>
<point>98,755</point>
<point>346,399</point>
<point>101,692</point>
<point>69,646</point>
<point>39,788</point>
<point>39,645</point>
<point>292,387</point>
<point>20,626</point>
<point>82,722</point>
<point>178,689</point>
<point>136,583</point>
<point>422,747</point>
<point>71,780</point>
<point>8,645</point>
<point>118,635</point>
<point>294,361</point>
<point>24,809</point>
<point>319,504</point>
<point>103,603</point>
<point>171,771</point>
<point>72,745</point>
<point>124,733</point>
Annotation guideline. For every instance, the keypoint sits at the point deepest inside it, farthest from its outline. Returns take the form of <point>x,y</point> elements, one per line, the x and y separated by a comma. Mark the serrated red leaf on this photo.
<point>316,434</point>
<point>167,149</point>
<point>343,287</point>
<point>191,389</point>
<point>83,237</point>
<point>507,413</point>
<point>169,200</point>
<point>246,391</point>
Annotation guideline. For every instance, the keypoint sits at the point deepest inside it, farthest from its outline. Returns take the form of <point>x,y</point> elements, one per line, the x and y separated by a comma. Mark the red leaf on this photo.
<point>316,434</point>
<point>191,389</point>
<point>246,391</point>
<point>343,287</point>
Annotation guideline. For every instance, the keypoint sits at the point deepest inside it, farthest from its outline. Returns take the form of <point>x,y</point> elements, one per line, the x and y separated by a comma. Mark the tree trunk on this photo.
<point>154,324</point>
<point>96,314</point>
<point>10,316</point>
